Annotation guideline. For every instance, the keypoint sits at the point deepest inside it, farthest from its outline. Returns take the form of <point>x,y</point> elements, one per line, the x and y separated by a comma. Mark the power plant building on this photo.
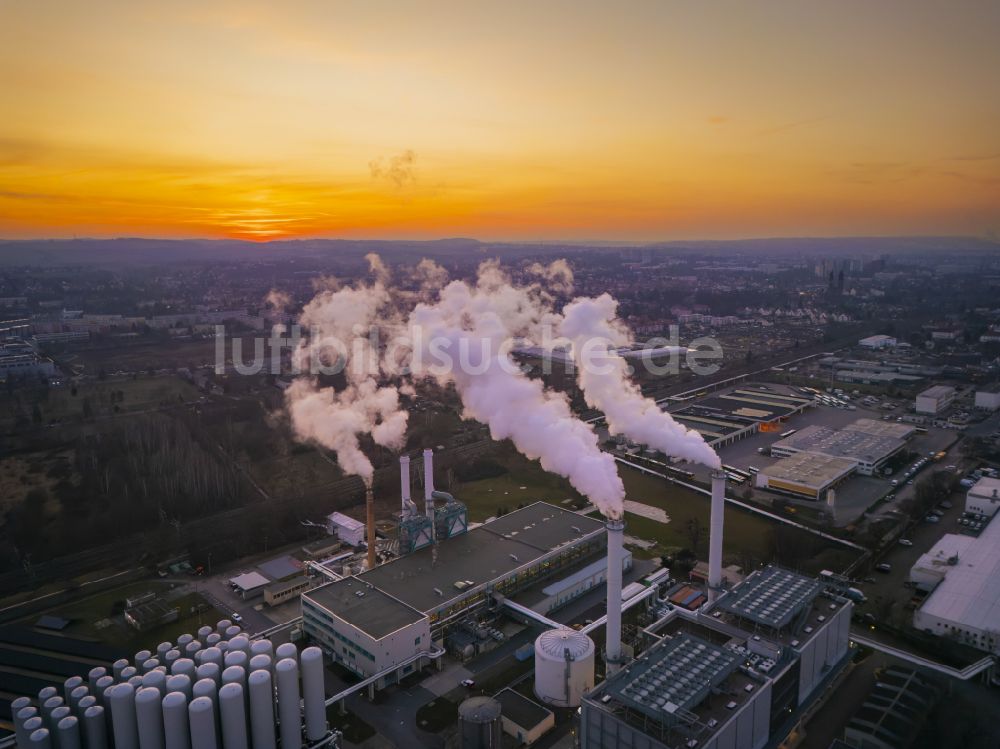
<point>729,676</point>
<point>805,474</point>
<point>395,610</point>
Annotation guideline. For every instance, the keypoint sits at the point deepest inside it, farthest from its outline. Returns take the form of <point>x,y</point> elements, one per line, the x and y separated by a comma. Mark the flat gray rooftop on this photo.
<point>841,443</point>
<point>772,597</point>
<point>426,579</point>
<point>374,612</point>
<point>674,675</point>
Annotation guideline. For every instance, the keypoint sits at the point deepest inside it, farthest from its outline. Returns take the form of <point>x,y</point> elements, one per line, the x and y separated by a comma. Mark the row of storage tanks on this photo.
<point>216,690</point>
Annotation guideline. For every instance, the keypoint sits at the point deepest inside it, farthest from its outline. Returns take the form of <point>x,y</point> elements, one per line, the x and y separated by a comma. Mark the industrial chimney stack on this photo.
<point>613,631</point>
<point>404,482</point>
<point>429,483</point>
<point>370,507</point>
<point>716,523</point>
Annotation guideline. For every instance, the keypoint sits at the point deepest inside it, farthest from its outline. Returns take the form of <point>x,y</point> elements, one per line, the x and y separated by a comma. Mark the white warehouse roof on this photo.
<point>970,592</point>
<point>249,581</point>
<point>344,521</point>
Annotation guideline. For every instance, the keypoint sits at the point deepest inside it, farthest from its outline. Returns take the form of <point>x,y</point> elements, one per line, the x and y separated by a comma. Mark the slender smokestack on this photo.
<point>370,508</point>
<point>429,486</point>
<point>404,481</point>
<point>613,631</point>
<point>715,532</point>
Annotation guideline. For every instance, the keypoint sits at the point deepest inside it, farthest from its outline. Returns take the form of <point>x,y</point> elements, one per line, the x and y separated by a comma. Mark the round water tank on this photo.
<point>479,725</point>
<point>564,667</point>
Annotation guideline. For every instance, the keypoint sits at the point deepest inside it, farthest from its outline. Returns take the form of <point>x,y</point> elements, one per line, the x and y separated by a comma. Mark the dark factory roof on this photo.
<point>368,608</point>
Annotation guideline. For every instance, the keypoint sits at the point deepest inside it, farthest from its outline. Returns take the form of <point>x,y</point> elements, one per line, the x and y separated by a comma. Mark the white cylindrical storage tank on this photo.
<point>123,723</point>
<point>564,667</point>
<point>235,675</point>
<point>149,717</point>
<point>231,632</point>
<point>313,693</point>
<point>40,739</point>
<point>68,733</point>
<point>22,711</point>
<point>128,672</point>
<point>222,625</point>
<point>33,724</point>
<point>205,688</point>
<point>183,666</point>
<point>262,647</point>
<point>180,683</point>
<point>57,715</point>
<point>212,655</point>
<point>176,734</point>
<point>141,657</point>
<point>233,715</point>
<point>287,672</point>
<point>191,648</point>
<point>48,706</point>
<point>172,655</point>
<point>259,662</point>
<point>286,650</point>
<point>240,642</point>
<point>47,693</point>
<point>201,719</point>
<point>203,633</point>
<point>155,680</point>
<point>236,658</point>
<point>101,690</point>
<point>183,640</point>
<point>94,674</point>
<point>136,682</point>
<point>261,709</point>
<point>68,686</point>
<point>75,696</point>
<point>150,665</point>
<point>85,704</point>
<point>210,671</point>
<point>213,639</point>
<point>162,649</point>
<point>479,724</point>
<point>95,730</point>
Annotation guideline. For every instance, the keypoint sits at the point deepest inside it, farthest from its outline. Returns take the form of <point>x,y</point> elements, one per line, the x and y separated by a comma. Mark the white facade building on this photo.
<point>877,342</point>
<point>935,399</point>
<point>966,604</point>
<point>984,497</point>
<point>347,529</point>
<point>989,399</point>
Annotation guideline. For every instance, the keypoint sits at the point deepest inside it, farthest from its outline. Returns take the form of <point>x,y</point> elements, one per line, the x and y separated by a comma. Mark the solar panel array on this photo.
<point>772,597</point>
<point>676,675</point>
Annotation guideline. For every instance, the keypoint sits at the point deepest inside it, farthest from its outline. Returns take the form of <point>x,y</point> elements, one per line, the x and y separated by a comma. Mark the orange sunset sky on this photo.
<point>514,120</point>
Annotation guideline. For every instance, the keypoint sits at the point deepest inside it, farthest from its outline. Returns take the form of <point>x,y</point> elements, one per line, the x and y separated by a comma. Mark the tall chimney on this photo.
<point>716,523</point>
<point>404,482</point>
<point>429,482</point>
<point>370,507</point>
<point>613,630</point>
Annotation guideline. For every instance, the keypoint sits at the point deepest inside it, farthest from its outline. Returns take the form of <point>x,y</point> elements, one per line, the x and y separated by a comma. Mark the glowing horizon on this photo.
<point>653,121</point>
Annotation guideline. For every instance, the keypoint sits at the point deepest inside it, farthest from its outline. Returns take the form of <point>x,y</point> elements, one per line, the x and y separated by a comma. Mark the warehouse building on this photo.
<point>988,399</point>
<point>724,419</point>
<point>805,474</point>
<point>730,676</point>
<point>965,605</point>
<point>983,498</point>
<point>877,342</point>
<point>866,442</point>
<point>935,399</point>
<point>396,608</point>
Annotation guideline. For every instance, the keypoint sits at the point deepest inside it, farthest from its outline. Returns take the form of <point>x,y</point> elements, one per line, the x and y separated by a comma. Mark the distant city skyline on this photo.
<point>646,121</point>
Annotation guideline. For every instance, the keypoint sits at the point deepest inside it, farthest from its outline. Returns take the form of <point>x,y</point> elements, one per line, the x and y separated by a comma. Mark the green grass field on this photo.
<point>749,539</point>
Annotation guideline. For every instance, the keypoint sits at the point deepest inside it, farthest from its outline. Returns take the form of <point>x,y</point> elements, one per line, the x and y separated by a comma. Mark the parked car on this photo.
<point>884,567</point>
<point>932,519</point>
<point>905,542</point>
<point>237,619</point>
<point>468,683</point>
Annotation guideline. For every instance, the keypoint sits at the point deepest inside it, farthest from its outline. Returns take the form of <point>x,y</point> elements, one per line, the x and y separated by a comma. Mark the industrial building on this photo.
<point>983,497</point>
<point>805,474</point>
<point>19,361</point>
<point>866,442</point>
<point>988,399</point>
<point>730,675</point>
<point>935,400</point>
<point>388,615</point>
<point>731,416</point>
<point>345,528</point>
<point>965,603</point>
<point>877,342</point>
<point>523,719</point>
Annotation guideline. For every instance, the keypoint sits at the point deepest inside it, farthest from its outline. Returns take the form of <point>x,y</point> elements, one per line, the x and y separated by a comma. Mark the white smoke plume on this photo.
<point>429,275</point>
<point>472,324</point>
<point>339,321</point>
<point>278,300</point>
<point>592,325</point>
<point>557,274</point>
